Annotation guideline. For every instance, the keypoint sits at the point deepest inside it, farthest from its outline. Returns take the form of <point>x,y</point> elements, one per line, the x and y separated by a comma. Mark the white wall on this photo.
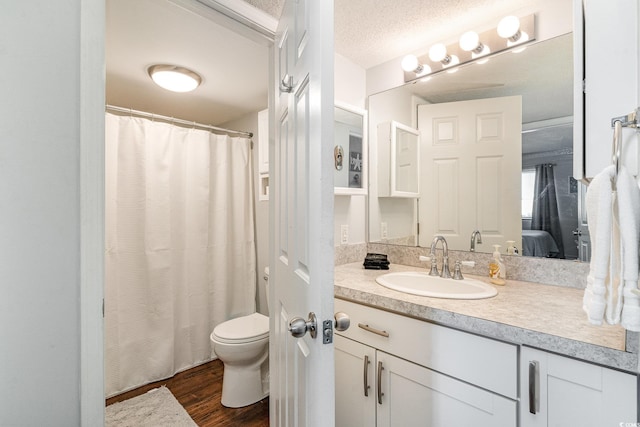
<point>40,257</point>
<point>350,83</point>
<point>399,214</point>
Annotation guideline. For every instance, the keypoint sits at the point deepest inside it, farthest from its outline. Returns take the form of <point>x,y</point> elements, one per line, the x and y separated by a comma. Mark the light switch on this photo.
<point>383,230</point>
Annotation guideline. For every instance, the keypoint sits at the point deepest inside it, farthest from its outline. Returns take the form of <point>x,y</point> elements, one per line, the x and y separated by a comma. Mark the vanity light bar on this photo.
<point>489,38</point>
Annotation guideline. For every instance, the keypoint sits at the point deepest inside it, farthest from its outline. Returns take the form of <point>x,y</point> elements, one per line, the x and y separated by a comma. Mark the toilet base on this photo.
<point>242,386</point>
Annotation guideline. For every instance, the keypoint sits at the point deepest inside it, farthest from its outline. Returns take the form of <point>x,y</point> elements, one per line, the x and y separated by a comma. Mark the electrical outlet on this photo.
<point>383,230</point>
<point>344,234</point>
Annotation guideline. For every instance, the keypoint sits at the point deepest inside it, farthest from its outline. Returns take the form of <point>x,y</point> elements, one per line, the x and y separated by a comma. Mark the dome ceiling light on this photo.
<point>174,78</point>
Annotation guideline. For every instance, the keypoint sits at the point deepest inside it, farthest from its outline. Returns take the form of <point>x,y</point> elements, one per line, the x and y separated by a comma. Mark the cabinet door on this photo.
<point>610,71</point>
<point>566,392</point>
<point>412,395</point>
<point>355,388</point>
<point>398,160</point>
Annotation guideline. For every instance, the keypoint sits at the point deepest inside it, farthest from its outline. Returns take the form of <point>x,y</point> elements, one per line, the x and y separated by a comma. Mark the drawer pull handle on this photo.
<point>380,393</point>
<point>534,387</point>
<point>366,376</point>
<point>373,330</point>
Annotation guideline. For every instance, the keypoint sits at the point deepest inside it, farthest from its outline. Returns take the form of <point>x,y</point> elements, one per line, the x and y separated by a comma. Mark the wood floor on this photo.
<point>199,390</point>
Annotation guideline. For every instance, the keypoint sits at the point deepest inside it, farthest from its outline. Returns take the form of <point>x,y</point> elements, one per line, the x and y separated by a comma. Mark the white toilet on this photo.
<point>242,344</point>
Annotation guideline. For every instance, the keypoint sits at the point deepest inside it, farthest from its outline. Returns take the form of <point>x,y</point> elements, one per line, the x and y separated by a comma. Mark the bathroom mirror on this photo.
<point>541,78</point>
<point>350,150</point>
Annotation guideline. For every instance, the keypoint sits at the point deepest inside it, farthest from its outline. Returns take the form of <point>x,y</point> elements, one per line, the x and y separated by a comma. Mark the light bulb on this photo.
<point>470,41</point>
<point>410,63</point>
<point>509,27</point>
<point>438,53</point>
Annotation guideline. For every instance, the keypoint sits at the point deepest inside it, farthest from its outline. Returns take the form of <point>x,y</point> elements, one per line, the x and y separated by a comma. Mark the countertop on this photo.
<point>541,316</point>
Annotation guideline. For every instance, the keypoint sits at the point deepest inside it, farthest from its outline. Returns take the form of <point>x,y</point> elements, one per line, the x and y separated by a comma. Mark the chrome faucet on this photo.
<point>475,237</point>
<point>445,258</point>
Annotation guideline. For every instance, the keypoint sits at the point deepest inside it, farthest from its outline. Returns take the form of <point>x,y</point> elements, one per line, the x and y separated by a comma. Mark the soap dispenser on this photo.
<point>511,248</point>
<point>497,271</point>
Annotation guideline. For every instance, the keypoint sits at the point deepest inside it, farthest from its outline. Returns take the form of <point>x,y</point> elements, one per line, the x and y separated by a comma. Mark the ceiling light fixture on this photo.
<point>174,78</point>
<point>513,34</point>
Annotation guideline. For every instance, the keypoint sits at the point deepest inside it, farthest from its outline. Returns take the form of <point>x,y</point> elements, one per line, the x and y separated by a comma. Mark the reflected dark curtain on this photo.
<point>545,205</point>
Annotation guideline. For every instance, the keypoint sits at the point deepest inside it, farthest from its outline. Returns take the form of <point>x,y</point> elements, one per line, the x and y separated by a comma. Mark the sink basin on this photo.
<point>416,283</point>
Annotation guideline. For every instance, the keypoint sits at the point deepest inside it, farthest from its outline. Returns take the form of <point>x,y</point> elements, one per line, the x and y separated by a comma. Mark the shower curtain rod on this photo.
<point>174,120</point>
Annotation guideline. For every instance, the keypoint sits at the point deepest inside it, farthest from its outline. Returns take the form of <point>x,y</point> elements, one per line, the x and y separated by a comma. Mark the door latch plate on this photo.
<point>327,332</point>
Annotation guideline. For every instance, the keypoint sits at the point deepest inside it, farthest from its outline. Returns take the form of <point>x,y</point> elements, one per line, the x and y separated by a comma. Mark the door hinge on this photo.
<point>418,228</point>
<point>102,307</point>
<point>584,85</point>
<point>327,332</point>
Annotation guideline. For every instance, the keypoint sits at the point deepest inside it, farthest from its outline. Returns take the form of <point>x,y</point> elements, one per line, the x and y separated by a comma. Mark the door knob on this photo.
<point>342,321</point>
<point>577,233</point>
<point>298,326</point>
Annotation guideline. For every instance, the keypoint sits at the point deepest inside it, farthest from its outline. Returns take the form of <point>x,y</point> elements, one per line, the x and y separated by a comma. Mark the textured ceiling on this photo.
<point>235,69</point>
<point>272,7</point>
<point>145,32</point>
<point>370,32</point>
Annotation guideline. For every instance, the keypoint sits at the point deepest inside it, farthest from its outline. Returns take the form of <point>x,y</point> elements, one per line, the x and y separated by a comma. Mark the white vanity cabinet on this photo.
<point>393,370</point>
<point>559,391</point>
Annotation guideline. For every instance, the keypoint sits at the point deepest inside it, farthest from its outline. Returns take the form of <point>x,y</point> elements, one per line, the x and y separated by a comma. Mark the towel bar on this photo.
<point>617,123</point>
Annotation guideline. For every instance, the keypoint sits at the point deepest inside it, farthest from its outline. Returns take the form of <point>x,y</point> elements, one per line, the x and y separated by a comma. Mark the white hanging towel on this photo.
<point>614,225</point>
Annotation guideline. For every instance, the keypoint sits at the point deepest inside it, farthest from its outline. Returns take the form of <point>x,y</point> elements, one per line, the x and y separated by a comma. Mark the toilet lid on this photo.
<point>243,329</point>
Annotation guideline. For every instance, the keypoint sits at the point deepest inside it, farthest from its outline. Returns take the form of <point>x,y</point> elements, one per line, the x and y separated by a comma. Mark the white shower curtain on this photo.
<point>180,247</point>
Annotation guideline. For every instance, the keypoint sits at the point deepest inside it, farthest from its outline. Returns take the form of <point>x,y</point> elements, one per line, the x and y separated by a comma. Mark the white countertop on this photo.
<point>541,316</point>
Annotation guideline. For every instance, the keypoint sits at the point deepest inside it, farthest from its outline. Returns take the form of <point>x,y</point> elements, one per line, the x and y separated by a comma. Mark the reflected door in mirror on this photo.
<point>472,162</point>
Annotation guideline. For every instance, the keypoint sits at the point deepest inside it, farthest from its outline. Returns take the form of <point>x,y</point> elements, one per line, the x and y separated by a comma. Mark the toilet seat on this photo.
<point>243,329</point>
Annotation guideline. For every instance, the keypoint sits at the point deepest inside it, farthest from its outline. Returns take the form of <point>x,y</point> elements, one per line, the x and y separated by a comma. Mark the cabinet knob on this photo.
<point>342,321</point>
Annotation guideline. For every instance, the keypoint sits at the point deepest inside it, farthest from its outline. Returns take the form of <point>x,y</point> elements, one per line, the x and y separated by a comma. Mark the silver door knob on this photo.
<point>342,321</point>
<point>298,326</point>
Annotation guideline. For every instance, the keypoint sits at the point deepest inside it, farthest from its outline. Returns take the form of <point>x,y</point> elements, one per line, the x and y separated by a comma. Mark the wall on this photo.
<point>397,214</point>
<point>350,210</point>
<point>40,259</point>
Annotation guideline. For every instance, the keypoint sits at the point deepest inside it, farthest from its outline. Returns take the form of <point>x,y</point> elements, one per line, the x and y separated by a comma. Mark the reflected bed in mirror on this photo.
<point>496,156</point>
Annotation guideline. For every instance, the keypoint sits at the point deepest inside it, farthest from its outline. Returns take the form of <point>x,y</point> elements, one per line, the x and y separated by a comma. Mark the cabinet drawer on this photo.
<point>484,362</point>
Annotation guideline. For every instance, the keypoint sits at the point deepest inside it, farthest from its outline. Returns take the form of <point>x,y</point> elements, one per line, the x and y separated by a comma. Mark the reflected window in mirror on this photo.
<point>528,183</point>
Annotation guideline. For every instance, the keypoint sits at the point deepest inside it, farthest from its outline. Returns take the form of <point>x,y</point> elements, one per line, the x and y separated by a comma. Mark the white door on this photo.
<point>301,214</point>
<point>466,142</point>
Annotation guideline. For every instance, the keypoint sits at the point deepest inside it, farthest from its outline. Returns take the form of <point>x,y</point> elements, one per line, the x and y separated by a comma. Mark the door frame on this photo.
<point>232,13</point>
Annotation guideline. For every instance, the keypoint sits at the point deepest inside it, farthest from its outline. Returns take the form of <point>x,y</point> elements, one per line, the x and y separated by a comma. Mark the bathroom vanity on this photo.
<point>525,357</point>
